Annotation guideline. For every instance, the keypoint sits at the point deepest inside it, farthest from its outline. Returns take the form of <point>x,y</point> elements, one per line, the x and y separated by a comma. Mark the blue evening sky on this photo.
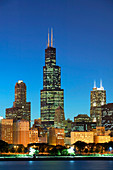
<point>83,33</point>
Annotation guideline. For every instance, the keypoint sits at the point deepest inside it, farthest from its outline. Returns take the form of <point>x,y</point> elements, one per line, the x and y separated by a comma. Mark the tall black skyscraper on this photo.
<point>52,95</point>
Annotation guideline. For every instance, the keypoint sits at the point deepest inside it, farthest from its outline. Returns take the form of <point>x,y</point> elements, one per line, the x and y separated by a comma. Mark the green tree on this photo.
<point>64,152</point>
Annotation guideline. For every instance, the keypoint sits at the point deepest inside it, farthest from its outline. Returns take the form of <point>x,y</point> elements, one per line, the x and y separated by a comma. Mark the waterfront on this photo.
<point>56,165</point>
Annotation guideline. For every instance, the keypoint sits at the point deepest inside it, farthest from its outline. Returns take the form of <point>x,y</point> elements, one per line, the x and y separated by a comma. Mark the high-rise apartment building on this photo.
<point>97,100</point>
<point>52,95</point>
<point>21,109</point>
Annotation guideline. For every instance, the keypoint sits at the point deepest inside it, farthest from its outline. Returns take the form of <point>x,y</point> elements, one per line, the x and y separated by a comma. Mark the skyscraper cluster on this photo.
<point>52,125</point>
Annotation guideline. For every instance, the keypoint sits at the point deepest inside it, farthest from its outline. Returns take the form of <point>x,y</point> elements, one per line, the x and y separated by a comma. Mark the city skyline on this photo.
<point>77,37</point>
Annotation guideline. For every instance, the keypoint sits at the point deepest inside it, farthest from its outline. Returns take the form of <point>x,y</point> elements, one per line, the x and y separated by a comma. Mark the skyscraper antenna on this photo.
<point>51,37</point>
<point>48,39</point>
<point>94,84</point>
<point>100,83</point>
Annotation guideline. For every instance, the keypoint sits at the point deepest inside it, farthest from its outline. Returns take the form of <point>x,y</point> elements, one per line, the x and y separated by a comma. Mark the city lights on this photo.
<point>52,134</point>
<point>71,151</point>
<point>31,151</point>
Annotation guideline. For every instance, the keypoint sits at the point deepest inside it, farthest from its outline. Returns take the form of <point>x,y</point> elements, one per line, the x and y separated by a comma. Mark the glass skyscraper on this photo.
<point>52,95</point>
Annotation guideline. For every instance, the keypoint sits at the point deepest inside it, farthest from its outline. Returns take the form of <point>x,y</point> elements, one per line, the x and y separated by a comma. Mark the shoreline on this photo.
<point>71,158</point>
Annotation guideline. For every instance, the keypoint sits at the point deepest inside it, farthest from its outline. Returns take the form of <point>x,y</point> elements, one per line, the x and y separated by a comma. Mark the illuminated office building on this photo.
<point>21,132</point>
<point>87,137</point>
<point>97,100</point>
<point>6,130</point>
<point>33,135</point>
<point>101,136</point>
<point>52,95</point>
<point>21,109</point>
<point>56,136</point>
<point>107,116</point>
<point>59,118</point>
<point>102,139</point>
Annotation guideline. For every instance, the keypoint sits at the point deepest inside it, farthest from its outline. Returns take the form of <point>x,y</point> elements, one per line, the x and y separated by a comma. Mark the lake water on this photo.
<point>56,165</point>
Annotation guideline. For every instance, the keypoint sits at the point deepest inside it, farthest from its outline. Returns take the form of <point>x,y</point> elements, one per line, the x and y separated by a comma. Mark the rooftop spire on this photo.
<point>94,84</point>
<point>51,37</point>
<point>100,83</point>
<point>48,39</point>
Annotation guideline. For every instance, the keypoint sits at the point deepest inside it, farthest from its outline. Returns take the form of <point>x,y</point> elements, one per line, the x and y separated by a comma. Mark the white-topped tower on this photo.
<point>97,100</point>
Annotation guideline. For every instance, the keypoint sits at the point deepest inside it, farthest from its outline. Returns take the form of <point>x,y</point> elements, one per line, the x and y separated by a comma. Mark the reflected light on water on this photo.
<point>30,162</point>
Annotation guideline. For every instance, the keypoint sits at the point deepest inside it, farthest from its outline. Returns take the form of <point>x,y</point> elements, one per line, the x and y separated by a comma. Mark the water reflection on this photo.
<point>56,165</point>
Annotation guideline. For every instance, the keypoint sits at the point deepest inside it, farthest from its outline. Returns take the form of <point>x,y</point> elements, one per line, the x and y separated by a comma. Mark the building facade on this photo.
<point>87,137</point>
<point>102,139</point>
<point>67,127</point>
<point>21,109</point>
<point>21,132</point>
<point>107,116</point>
<point>52,95</point>
<point>99,131</point>
<point>37,123</point>
<point>59,117</point>
<point>56,136</point>
<point>6,130</point>
<point>82,118</point>
<point>33,135</point>
<point>83,122</point>
<point>101,135</point>
<point>97,100</point>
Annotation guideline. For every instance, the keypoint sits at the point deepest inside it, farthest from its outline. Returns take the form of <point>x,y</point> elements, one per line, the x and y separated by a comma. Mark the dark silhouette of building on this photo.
<point>107,116</point>
<point>52,95</point>
<point>97,100</point>
<point>21,109</point>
